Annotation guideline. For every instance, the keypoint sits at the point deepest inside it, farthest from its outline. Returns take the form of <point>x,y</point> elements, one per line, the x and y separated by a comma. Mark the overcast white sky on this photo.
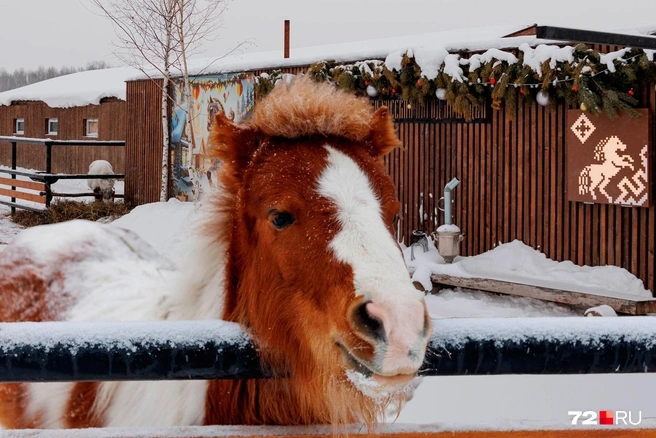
<point>66,32</point>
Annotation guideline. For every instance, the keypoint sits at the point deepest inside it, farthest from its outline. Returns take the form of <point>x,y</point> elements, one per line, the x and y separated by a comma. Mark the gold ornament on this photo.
<point>584,107</point>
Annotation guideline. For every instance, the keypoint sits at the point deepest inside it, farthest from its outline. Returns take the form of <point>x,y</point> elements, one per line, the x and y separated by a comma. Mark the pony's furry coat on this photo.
<point>290,286</point>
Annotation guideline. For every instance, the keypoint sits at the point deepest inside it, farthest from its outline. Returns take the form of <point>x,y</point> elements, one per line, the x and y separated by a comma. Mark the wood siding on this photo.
<point>512,173</point>
<point>512,169</point>
<point>71,126</point>
<point>143,142</point>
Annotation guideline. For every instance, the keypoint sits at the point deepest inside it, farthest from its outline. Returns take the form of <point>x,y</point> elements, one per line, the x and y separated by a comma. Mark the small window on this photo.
<point>91,127</point>
<point>51,126</point>
<point>19,126</point>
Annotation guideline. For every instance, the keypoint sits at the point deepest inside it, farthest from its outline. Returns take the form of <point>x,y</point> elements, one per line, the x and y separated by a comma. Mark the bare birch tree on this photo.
<point>159,36</point>
<point>194,24</point>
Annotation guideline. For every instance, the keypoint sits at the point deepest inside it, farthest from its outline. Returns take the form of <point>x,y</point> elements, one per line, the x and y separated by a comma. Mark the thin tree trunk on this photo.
<point>191,115</point>
<point>164,187</point>
<point>185,76</point>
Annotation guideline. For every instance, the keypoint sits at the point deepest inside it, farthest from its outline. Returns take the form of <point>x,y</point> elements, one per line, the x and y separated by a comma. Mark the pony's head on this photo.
<point>314,271</point>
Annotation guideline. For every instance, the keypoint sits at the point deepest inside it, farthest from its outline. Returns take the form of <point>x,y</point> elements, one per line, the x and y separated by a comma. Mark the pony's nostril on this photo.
<point>368,324</point>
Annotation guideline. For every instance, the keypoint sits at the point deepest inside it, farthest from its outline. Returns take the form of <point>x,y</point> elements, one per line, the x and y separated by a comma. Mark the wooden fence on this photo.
<point>41,181</point>
<point>143,142</point>
<point>513,186</point>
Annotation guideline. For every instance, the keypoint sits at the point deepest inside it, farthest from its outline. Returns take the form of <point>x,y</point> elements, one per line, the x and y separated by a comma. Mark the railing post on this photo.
<point>48,157</point>
<point>48,171</point>
<point>48,194</point>
<point>13,176</point>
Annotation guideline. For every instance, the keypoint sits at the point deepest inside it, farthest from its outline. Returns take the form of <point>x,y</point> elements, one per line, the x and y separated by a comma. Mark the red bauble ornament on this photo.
<point>493,81</point>
<point>419,82</point>
<point>575,88</point>
<point>393,90</point>
<point>366,82</point>
<point>631,92</point>
<point>521,91</point>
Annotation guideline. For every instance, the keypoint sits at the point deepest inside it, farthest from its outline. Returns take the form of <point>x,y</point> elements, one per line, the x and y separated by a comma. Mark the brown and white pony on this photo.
<point>297,246</point>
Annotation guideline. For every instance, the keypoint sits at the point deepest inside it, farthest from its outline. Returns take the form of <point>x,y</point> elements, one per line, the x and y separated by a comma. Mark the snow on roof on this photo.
<point>89,87</point>
<point>76,89</point>
<point>476,39</point>
<point>481,38</point>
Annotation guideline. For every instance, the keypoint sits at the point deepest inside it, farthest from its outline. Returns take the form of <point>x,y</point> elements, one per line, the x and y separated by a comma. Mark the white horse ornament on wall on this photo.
<point>596,177</point>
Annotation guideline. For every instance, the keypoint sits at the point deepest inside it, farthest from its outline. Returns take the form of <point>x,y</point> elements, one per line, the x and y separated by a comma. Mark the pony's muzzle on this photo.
<point>398,331</point>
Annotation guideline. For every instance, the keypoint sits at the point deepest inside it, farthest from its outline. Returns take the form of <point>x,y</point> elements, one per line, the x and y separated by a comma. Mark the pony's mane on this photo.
<point>307,108</point>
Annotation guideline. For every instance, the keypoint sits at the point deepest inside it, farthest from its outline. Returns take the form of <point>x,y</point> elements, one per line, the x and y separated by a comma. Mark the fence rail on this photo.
<point>164,350</point>
<point>45,194</point>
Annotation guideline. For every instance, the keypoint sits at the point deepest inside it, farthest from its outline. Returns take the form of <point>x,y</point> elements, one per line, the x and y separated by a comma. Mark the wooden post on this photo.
<point>48,157</point>
<point>13,175</point>
<point>286,38</point>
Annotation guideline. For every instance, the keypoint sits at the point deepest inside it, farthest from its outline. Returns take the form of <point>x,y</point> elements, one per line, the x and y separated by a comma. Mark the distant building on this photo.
<point>80,106</point>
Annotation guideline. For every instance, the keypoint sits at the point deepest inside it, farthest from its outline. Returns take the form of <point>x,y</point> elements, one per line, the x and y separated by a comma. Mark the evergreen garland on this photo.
<point>586,82</point>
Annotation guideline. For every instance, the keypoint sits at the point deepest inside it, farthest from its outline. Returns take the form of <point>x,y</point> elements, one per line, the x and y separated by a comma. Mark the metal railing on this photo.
<point>47,177</point>
<point>167,350</point>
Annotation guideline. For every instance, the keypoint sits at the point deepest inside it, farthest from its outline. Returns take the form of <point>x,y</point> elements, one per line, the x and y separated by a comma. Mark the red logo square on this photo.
<point>606,417</point>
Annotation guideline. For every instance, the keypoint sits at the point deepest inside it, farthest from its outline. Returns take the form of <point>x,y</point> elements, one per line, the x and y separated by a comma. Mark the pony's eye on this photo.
<point>281,220</point>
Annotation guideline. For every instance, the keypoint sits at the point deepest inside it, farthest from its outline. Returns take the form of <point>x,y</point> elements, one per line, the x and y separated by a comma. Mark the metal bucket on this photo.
<point>448,244</point>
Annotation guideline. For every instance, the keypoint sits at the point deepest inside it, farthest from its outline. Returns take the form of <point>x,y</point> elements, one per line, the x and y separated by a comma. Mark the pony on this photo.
<point>103,189</point>
<point>296,245</point>
<point>598,176</point>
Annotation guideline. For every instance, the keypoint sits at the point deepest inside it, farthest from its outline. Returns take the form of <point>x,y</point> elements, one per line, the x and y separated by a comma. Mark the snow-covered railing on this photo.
<point>93,351</point>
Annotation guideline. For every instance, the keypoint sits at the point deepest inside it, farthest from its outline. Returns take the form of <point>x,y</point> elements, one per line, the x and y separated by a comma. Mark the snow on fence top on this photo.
<point>173,350</point>
<point>76,89</point>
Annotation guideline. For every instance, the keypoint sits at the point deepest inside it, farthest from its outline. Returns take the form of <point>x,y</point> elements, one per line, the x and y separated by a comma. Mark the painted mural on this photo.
<point>193,169</point>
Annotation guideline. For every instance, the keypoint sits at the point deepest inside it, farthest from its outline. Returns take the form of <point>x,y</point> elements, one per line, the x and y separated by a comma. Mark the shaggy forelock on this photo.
<point>307,108</point>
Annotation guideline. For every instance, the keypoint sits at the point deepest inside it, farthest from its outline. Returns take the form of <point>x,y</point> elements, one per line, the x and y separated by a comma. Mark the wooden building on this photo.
<point>511,162</point>
<point>82,106</point>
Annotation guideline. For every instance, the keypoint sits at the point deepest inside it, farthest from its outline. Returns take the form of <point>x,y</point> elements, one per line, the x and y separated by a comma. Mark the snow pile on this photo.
<point>603,310</point>
<point>475,304</point>
<point>535,57</point>
<point>163,225</point>
<point>76,89</point>
<point>519,263</point>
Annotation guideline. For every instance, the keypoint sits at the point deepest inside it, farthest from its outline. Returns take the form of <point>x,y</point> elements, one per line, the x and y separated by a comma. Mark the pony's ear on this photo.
<point>383,136</point>
<point>233,144</point>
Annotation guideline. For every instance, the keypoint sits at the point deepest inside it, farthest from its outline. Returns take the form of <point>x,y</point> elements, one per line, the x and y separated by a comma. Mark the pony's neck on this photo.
<point>200,291</point>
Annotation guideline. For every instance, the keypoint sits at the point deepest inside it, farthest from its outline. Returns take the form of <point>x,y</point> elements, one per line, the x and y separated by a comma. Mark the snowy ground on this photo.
<point>470,401</point>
